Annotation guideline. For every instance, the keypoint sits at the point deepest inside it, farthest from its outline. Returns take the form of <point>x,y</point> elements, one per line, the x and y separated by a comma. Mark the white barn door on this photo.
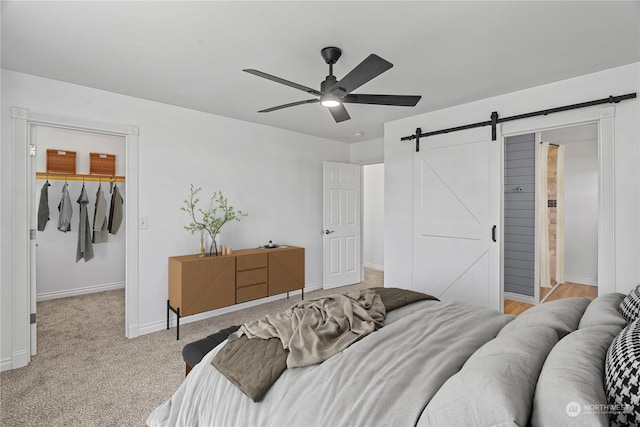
<point>341,247</point>
<point>457,215</point>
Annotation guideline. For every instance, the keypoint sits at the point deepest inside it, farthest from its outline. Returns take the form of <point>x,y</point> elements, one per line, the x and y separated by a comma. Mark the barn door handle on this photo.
<point>493,233</point>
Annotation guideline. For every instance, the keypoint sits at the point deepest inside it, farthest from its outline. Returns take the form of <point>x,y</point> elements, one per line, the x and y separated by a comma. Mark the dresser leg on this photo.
<point>178,324</point>
<point>177,312</point>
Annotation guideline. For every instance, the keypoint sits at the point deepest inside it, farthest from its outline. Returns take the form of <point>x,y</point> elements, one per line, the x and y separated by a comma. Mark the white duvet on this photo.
<point>385,379</point>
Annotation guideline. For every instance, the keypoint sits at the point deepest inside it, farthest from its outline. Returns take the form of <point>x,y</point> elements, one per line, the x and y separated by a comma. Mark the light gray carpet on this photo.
<point>87,373</point>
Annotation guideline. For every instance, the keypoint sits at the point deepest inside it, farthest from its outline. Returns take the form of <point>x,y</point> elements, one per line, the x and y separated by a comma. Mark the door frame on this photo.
<point>604,117</point>
<point>23,120</point>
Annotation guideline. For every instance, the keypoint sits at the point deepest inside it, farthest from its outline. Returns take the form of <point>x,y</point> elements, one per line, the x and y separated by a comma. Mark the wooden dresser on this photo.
<point>198,284</point>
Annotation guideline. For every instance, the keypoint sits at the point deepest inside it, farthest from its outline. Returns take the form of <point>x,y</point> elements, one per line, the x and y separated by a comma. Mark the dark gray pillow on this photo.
<point>630,305</point>
<point>622,377</point>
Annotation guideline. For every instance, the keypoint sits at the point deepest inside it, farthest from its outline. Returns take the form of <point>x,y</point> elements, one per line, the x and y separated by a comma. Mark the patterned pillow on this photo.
<point>630,305</point>
<point>622,377</point>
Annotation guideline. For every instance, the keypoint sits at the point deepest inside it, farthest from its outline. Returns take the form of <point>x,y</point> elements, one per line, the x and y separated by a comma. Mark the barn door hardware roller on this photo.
<point>495,119</point>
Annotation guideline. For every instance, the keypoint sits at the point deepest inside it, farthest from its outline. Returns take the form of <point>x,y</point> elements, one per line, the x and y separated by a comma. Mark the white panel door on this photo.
<point>457,205</point>
<point>341,249</point>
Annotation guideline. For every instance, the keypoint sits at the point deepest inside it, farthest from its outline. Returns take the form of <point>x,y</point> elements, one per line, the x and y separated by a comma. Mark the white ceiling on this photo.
<point>191,54</point>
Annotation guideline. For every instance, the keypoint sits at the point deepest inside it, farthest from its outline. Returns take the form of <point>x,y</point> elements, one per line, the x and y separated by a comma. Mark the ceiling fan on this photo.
<point>335,93</point>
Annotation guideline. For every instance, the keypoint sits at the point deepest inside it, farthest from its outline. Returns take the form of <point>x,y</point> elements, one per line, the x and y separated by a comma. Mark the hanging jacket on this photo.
<point>85,246</point>
<point>115,211</point>
<point>65,209</point>
<point>43,207</point>
<point>100,232</point>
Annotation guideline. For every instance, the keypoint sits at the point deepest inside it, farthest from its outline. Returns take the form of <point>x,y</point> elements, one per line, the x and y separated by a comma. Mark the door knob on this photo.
<point>329,231</point>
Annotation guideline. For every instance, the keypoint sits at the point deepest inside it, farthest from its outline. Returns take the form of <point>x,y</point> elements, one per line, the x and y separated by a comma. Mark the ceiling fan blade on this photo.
<point>400,100</point>
<point>292,104</point>
<point>282,81</point>
<point>339,113</point>
<point>371,67</point>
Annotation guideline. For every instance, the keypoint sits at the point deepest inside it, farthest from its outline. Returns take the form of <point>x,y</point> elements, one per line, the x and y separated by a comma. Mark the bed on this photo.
<point>438,363</point>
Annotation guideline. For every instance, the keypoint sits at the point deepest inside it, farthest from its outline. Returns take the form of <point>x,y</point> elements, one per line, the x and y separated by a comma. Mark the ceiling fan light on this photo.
<point>330,101</point>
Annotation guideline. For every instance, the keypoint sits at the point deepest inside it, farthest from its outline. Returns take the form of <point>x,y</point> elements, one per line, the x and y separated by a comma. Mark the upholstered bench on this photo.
<point>194,352</point>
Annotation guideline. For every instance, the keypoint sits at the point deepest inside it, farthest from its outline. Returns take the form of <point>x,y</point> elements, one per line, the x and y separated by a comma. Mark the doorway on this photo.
<point>551,204</point>
<point>353,224</point>
<point>58,273</point>
<point>373,223</point>
<point>342,222</point>
<point>572,207</point>
<point>24,288</point>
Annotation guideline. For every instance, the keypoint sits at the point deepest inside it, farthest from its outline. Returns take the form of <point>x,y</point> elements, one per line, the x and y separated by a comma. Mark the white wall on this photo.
<point>399,158</point>
<point>57,273</point>
<point>373,223</point>
<point>367,152</point>
<point>273,175</point>
<point>581,212</point>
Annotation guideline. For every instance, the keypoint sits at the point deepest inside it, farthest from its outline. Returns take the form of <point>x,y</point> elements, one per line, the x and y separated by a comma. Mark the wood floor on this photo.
<point>565,290</point>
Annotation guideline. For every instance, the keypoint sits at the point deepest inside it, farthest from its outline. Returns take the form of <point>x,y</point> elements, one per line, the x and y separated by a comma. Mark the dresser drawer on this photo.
<point>249,293</point>
<point>251,261</point>
<point>251,277</point>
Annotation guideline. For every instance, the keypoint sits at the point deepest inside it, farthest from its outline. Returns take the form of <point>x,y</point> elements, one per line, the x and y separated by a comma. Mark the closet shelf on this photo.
<point>79,177</point>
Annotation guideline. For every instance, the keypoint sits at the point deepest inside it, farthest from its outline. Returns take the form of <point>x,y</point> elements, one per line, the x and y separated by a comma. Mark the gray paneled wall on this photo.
<point>519,214</point>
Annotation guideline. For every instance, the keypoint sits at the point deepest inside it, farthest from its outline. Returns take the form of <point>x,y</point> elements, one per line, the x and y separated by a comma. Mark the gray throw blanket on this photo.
<point>307,333</point>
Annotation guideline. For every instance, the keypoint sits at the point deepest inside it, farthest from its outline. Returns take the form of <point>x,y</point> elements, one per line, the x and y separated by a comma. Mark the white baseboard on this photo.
<point>79,291</point>
<point>158,326</point>
<point>373,266</point>
<point>18,359</point>
<point>520,298</point>
<point>5,364</point>
<point>133,330</point>
<point>591,281</point>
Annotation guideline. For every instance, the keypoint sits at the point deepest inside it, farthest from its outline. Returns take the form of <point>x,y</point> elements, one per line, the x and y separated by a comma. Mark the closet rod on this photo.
<point>495,119</point>
<point>79,177</point>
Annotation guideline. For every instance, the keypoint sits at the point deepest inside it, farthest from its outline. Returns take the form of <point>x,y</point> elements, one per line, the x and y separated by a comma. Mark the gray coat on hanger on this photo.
<point>65,209</point>
<point>85,246</point>
<point>116,211</point>
<point>100,232</point>
<point>43,207</point>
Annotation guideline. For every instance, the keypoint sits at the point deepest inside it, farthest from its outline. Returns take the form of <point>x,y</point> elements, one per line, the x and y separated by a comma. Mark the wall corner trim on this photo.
<point>18,113</point>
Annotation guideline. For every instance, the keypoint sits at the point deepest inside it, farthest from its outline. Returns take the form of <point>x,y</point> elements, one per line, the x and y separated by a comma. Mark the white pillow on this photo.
<point>630,305</point>
<point>622,377</point>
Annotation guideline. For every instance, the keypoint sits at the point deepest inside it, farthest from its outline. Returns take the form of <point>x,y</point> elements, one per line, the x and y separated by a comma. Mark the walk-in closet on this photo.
<point>79,192</point>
